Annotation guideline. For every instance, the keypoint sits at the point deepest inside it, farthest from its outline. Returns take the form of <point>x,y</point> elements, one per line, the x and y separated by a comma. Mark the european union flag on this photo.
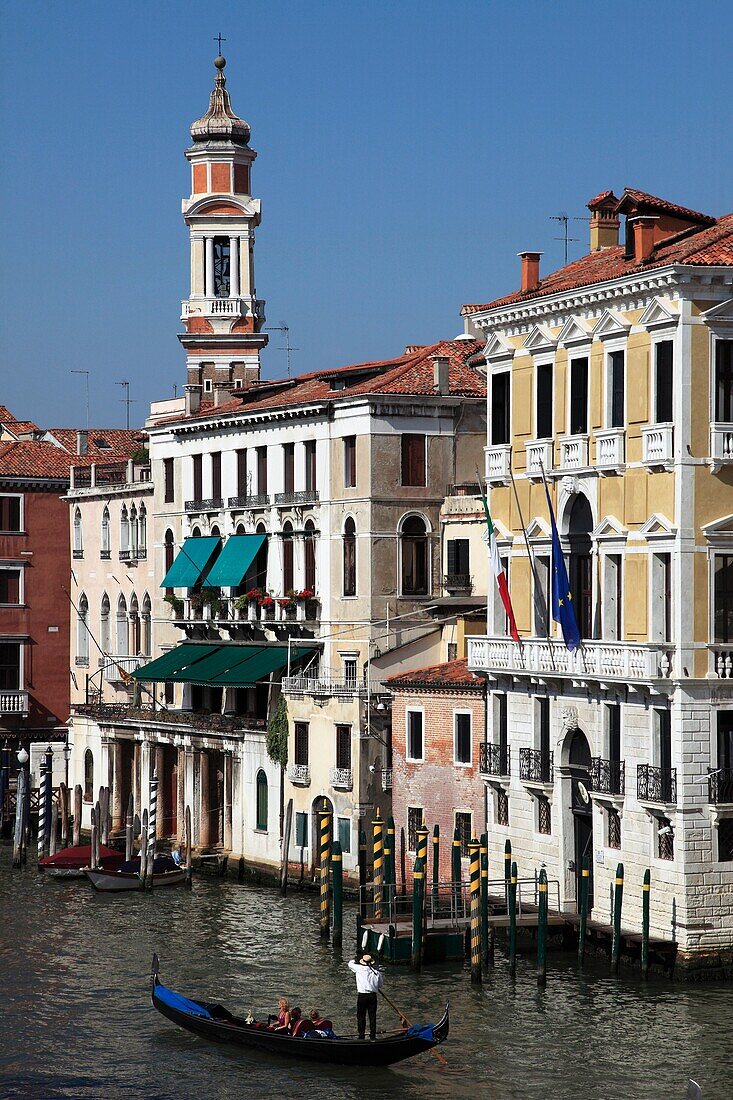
<point>563,611</point>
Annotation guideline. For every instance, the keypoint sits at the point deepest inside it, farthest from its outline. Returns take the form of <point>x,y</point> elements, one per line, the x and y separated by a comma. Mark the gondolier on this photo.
<point>369,980</point>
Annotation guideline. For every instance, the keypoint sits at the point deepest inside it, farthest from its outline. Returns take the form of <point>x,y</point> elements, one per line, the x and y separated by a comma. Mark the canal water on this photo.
<point>76,1019</point>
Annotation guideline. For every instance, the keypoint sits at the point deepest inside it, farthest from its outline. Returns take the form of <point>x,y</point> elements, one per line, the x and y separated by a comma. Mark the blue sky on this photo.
<point>407,152</point>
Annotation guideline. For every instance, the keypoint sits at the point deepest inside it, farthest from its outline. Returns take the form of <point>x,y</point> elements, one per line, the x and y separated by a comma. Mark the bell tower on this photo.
<point>222,316</point>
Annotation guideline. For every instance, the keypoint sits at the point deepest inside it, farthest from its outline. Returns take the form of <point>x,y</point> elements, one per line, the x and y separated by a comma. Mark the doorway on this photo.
<point>582,810</point>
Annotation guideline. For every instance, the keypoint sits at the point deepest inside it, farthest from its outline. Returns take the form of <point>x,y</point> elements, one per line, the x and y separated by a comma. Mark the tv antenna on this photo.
<point>564,222</point>
<point>127,401</point>
<point>287,347</point>
<point>85,372</point>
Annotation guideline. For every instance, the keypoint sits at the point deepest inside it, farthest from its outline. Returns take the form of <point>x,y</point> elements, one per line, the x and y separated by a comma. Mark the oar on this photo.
<point>436,1053</point>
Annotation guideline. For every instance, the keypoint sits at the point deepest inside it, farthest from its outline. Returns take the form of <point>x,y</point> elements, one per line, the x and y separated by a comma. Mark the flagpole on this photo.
<point>556,538</point>
<point>531,560</point>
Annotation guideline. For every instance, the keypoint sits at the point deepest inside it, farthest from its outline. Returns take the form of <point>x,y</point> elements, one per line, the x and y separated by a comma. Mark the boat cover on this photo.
<point>81,856</point>
<point>175,1000</point>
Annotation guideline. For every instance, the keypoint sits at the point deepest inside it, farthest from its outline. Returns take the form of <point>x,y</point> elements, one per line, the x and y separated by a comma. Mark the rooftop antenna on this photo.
<point>127,400</point>
<point>288,347</point>
<point>564,220</point>
<point>86,372</point>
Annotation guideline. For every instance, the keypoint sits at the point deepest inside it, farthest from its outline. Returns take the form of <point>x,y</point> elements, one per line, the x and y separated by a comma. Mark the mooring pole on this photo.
<point>4,779</point>
<point>618,897</point>
<point>455,872</point>
<point>542,930</point>
<point>378,864</point>
<point>507,870</point>
<point>474,857</point>
<point>389,865</point>
<point>53,827</point>
<point>418,887</point>
<point>436,868</point>
<point>104,822</point>
<point>584,884</point>
<point>422,853</point>
<point>144,847</point>
<point>64,806</point>
<point>338,894</point>
<point>362,873</point>
<point>189,853</point>
<point>19,834</point>
<point>48,793</point>
<point>41,835</point>
<point>485,955</point>
<point>403,866</point>
<point>95,839</point>
<point>152,831</point>
<point>76,833</point>
<point>129,819</point>
<point>513,919</point>
<point>324,851</point>
<point>645,923</point>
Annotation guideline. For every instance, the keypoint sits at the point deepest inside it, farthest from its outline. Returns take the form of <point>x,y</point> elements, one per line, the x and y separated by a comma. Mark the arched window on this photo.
<point>88,776</point>
<point>82,632</point>
<point>105,626</point>
<point>349,553</point>
<point>78,535</point>
<point>261,800</point>
<point>240,529</point>
<point>135,639</point>
<point>580,525</point>
<point>215,532</point>
<point>415,557</point>
<point>124,531</point>
<point>104,544</point>
<point>310,555</point>
<point>122,640</point>
<point>196,533</point>
<point>147,620</point>
<point>288,565</point>
<point>142,531</point>
<point>133,531</point>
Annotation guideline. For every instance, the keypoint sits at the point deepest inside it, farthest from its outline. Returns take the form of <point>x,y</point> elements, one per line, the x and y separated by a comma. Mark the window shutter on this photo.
<point>452,566</point>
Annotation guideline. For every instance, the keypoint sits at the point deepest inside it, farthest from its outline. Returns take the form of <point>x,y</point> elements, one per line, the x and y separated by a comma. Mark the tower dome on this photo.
<point>220,122</point>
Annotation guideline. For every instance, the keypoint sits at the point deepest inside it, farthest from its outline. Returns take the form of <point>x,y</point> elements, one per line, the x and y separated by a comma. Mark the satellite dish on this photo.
<point>583,792</point>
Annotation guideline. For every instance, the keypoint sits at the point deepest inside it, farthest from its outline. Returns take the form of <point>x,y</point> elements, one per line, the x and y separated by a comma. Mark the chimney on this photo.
<point>604,221</point>
<point>441,374</point>
<point>82,441</point>
<point>222,393</point>
<point>643,237</point>
<point>530,270</point>
<point>193,399</point>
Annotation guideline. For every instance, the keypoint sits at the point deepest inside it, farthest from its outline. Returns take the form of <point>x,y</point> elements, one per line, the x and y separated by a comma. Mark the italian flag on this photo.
<point>499,572</point>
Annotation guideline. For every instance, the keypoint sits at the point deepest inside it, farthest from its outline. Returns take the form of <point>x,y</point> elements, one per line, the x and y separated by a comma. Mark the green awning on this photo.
<point>191,562</point>
<point>237,666</point>
<point>235,559</point>
<point>163,668</point>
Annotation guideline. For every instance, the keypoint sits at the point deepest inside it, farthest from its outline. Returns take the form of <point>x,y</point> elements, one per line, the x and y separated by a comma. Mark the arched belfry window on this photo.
<point>104,544</point>
<point>349,555</point>
<point>221,267</point>
<point>415,554</point>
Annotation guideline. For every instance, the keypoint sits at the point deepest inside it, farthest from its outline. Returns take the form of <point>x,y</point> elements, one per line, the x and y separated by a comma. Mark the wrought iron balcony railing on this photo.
<point>535,766</point>
<point>458,582</point>
<point>386,779</point>
<point>254,500</point>
<point>300,774</point>
<point>720,786</point>
<point>341,779</point>
<point>304,496</point>
<point>608,776</point>
<point>656,784</point>
<point>494,760</point>
<point>210,504</point>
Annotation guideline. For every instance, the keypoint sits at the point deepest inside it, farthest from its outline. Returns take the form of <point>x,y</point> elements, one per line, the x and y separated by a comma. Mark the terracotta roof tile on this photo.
<point>632,197</point>
<point>604,195</point>
<point>450,674</point>
<point>11,422</point>
<point>34,460</point>
<point>120,442</point>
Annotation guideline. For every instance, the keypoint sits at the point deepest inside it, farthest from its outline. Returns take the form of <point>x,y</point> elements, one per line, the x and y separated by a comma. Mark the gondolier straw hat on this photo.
<point>366,958</point>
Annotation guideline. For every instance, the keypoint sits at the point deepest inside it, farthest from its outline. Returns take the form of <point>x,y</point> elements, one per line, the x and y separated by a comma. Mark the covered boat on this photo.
<point>166,872</point>
<point>70,862</point>
<point>214,1022</point>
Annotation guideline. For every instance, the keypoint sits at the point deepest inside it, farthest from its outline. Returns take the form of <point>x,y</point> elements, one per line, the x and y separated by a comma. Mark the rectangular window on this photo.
<point>616,389</point>
<point>463,825</point>
<point>414,821</point>
<point>413,459</point>
<point>169,492</point>
<point>665,838</point>
<point>541,582</point>
<point>414,735</point>
<point>350,670</point>
<point>663,747</point>
<point>458,563</point>
<point>343,747</point>
<point>311,480</point>
<point>544,815</point>
<point>664,388</point>
<point>10,586</point>
<point>578,397</point>
<point>723,598</point>
<point>10,514</point>
<point>502,732</point>
<point>9,666</point>
<point>502,808</point>
<point>301,743</point>
<point>462,737</point>
<point>216,475</point>
<point>198,477</point>
<point>242,474</point>
<point>614,828</point>
<point>350,462</point>
<point>613,711</point>
<point>501,622</point>
<point>543,707</point>
<point>301,830</point>
<point>500,408</point>
<point>543,413</point>
<point>344,833</point>
<point>452,651</point>
<point>611,602</point>
<point>262,470</point>
<point>724,381</point>
<point>288,467</point>
<point>169,693</point>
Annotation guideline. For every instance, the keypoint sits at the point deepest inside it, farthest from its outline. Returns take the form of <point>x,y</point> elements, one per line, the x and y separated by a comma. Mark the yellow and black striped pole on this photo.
<point>362,872</point>
<point>422,854</point>
<point>474,858</point>
<point>324,851</point>
<point>542,929</point>
<point>645,923</point>
<point>389,857</point>
<point>484,852</point>
<point>513,919</point>
<point>584,886</point>
<point>378,864</point>
<point>455,865</point>
<point>418,890</point>
<point>618,897</point>
<point>436,867</point>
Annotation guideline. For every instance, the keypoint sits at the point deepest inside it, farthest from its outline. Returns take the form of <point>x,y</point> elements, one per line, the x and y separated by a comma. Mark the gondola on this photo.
<point>71,862</point>
<point>214,1022</point>
<point>166,872</point>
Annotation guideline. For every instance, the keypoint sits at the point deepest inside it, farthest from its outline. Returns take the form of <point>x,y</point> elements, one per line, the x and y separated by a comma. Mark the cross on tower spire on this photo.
<point>219,39</point>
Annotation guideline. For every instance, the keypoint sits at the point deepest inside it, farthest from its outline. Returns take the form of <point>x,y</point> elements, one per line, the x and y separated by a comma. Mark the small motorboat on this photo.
<point>166,872</point>
<point>71,862</point>
<point>214,1022</point>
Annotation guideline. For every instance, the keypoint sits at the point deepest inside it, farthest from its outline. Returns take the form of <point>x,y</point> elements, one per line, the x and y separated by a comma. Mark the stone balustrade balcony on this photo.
<point>13,702</point>
<point>540,455</point>
<point>574,452</point>
<point>721,445</point>
<point>610,450</point>
<point>657,445</point>
<point>622,661</point>
<point>497,461</point>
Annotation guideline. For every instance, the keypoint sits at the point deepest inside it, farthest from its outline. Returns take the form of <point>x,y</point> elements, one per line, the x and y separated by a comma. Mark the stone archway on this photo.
<point>581,807</point>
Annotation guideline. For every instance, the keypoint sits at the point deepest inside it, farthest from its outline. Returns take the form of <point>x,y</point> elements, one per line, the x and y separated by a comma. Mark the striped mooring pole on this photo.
<point>436,866</point>
<point>324,854</point>
<point>48,793</point>
<point>513,919</point>
<point>455,871</point>
<point>484,849</point>
<point>4,779</point>
<point>542,930</point>
<point>22,796</point>
<point>338,894</point>
<point>389,876</point>
<point>422,853</point>
<point>507,870</point>
<point>129,821</point>
<point>378,863</point>
<point>474,857</point>
<point>362,873</point>
<point>418,889</point>
<point>618,897</point>
<point>584,886</point>
<point>152,829</point>
<point>403,866</point>
<point>645,923</point>
<point>42,812</point>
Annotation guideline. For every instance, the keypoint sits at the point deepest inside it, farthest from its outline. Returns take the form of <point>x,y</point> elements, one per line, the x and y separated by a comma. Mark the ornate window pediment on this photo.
<point>610,528</point>
<point>658,314</point>
<point>720,530</point>
<point>721,314</point>
<point>658,527</point>
<point>498,348</point>
<point>575,332</point>
<point>540,339</point>
<point>538,528</point>
<point>611,324</point>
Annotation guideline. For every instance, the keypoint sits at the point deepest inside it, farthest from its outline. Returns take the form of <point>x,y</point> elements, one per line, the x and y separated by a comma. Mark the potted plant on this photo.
<point>209,601</point>
<point>287,606</point>
<point>267,606</point>
<point>176,605</point>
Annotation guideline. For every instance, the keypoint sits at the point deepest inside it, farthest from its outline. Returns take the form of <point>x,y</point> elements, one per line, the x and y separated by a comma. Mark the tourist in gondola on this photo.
<point>282,1020</point>
<point>369,980</point>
